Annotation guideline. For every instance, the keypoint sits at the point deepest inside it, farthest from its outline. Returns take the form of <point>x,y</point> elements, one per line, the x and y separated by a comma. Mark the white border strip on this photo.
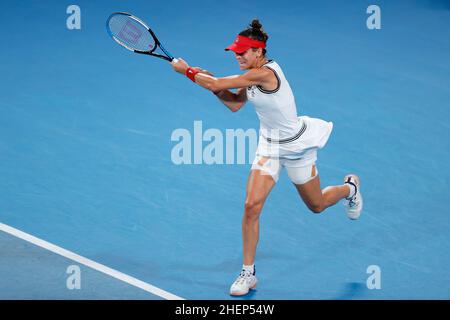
<point>90,263</point>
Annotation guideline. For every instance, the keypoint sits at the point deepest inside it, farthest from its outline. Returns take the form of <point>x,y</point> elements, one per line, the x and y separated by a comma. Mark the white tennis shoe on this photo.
<point>243,283</point>
<point>353,205</point>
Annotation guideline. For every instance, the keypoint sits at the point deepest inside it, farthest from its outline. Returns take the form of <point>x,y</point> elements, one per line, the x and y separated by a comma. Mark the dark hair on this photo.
<point>256,32</point>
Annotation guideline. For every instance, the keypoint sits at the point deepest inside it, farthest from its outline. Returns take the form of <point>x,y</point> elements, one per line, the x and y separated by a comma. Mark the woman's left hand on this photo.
<point>179,65</point>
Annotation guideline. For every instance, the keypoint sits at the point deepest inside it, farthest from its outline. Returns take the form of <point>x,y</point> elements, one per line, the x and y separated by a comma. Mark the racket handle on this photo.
<point>175,60</point>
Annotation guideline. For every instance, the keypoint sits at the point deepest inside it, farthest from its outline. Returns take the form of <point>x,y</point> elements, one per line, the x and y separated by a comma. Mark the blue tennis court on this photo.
<point>87,176</point>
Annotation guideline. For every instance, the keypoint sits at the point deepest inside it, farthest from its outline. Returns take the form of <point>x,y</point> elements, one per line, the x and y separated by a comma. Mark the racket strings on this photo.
<point>131,33</point>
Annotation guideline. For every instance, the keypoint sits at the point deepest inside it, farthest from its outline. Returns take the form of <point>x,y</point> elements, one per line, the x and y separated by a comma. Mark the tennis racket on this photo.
<point>133,34</point>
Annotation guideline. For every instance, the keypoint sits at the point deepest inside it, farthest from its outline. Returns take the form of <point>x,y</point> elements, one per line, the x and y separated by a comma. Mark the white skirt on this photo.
<point>303,148</point>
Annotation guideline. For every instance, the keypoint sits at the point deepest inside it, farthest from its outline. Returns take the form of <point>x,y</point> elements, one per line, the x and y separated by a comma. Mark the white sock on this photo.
<point>352,190</point>
<point>250,268</point>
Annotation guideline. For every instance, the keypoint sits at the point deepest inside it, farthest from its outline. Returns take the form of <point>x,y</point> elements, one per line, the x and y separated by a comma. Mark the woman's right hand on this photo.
<point>179,65</point>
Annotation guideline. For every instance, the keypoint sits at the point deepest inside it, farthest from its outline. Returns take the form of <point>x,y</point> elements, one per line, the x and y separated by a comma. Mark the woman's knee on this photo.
<point>316,207</point>
<point>253,207</point>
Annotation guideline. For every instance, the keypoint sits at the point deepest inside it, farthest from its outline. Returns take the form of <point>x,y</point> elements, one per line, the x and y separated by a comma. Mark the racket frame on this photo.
<point>169,57</point>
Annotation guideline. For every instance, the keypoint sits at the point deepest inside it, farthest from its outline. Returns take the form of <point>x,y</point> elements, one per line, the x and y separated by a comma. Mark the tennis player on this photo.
<point>285,141</point>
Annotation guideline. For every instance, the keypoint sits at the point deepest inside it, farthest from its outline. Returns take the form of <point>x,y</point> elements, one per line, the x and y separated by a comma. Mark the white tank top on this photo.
<point>276,109</point>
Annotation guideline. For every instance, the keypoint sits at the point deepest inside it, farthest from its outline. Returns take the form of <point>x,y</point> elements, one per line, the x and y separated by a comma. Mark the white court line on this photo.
<point>90,263</point>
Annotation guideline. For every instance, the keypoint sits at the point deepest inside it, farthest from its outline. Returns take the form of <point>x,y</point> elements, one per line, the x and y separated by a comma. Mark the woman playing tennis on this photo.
<point>285,141</point>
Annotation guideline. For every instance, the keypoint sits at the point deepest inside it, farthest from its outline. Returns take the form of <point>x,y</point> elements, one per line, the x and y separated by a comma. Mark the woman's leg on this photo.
<point>261,180</point>
<point>259,185</point>
<point>318,200</point>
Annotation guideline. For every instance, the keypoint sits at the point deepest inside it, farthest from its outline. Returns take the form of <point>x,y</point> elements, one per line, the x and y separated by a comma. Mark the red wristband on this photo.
<point>190,73</point>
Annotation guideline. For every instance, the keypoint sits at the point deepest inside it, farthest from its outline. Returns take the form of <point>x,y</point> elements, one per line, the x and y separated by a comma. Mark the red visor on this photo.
<point>242,44</point>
